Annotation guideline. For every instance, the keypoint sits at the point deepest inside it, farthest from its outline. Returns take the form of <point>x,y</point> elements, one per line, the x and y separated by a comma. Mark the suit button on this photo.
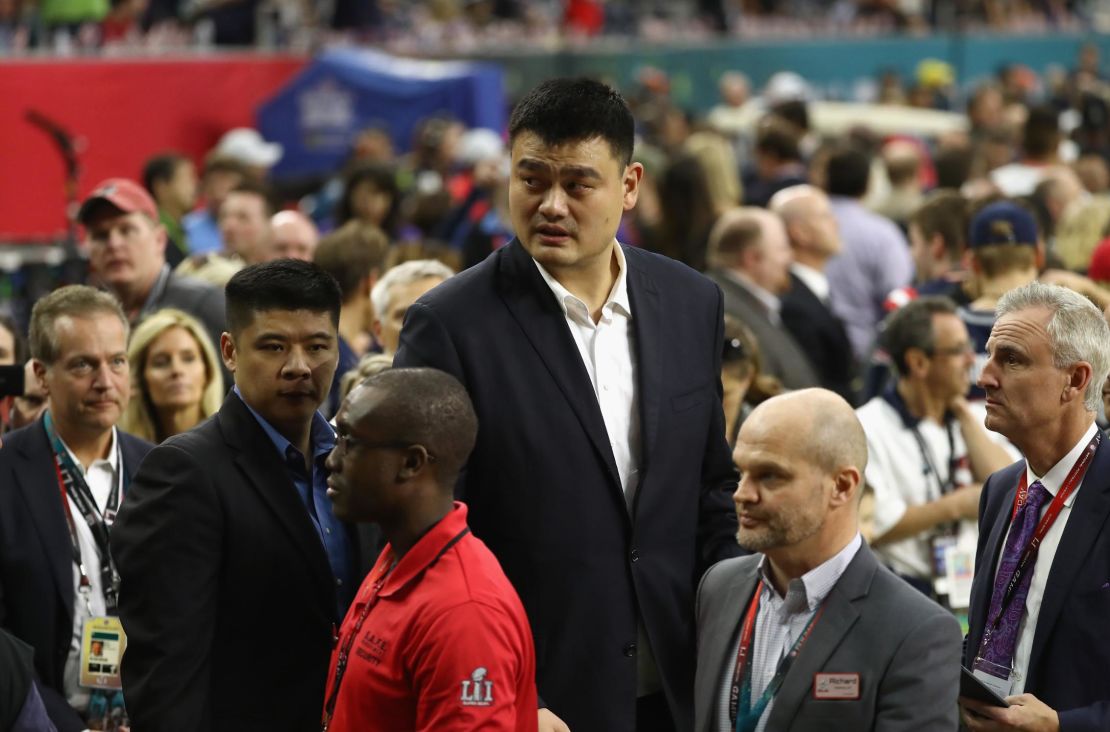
<point>634,555</point>
<point>630,650</point>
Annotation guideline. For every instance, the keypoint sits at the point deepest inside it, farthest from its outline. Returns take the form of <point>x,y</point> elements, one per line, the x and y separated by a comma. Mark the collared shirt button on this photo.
<point>339,583</point>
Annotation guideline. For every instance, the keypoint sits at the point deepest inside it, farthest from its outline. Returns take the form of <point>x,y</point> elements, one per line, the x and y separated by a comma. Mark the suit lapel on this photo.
<point>647,326</point>
<point>265,471</point>
<point>1087,518</point>
<point>543,324</point>
<point>717,636</point>
<point>837,618</point>
<point>38,481</point>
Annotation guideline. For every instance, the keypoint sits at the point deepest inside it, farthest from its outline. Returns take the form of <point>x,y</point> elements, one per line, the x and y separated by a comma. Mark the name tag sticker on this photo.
<point>836,686</point>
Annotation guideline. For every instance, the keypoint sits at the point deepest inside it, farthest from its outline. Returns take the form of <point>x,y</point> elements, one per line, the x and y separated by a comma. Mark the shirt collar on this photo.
<point>423,553</point>
<point>322,435</point>
<point>112,459</point>
<point>573,306</point>
<point>768,299</point>
<point>814,279</point>
<point>1053,480</point>
<point>159,287</point>
<point>817,583</point>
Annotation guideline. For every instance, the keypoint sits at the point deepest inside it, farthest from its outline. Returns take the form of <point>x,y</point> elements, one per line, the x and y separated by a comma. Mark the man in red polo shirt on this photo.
<point>437,638</point>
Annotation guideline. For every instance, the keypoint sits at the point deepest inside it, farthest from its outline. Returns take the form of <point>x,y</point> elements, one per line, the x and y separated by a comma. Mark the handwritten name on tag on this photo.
<point>836,686</point>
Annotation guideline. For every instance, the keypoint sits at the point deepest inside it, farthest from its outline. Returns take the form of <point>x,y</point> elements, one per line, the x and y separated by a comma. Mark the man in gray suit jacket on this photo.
<point>750,256</point>
<point>812,633</point>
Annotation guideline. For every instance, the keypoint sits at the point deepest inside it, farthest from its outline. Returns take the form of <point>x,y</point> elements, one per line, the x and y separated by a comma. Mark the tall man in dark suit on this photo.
<point>813,633</point>
<point>814,239</point>
<point>1038,619</point>
<point>61,480</point>
<point>750,258</point>
<point>601,475</point>
<point>235,571</point>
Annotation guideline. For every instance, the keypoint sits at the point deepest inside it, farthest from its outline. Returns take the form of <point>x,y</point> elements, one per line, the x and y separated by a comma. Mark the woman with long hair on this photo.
<point>176,379</point>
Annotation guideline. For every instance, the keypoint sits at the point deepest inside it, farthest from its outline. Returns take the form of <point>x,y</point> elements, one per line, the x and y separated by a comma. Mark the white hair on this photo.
<point>1077,331</point>
<point>405,274</point>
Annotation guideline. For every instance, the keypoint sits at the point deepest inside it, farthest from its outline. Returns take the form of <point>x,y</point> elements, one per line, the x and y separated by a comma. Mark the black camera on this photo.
<point>11,380</point>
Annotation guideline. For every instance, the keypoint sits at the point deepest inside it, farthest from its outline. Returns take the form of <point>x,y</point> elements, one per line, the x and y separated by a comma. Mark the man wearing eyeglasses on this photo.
<point>235,572</point>
<point>437,637</point>
<point>929,453</point>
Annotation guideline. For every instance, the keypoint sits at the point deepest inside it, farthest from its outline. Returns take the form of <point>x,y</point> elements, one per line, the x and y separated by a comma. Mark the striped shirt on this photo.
<point>777,626</point>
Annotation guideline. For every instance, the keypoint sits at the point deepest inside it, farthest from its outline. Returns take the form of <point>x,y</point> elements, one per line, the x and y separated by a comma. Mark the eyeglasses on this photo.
<point>345,443</point>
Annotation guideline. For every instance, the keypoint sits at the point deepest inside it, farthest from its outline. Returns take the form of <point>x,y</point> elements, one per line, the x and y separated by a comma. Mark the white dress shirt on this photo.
<point>103,476</point>
<point>778,624</point>
<point>608,352</point>
<point>609,355</point>
<point>814,279</point>
<point>1052,481</point>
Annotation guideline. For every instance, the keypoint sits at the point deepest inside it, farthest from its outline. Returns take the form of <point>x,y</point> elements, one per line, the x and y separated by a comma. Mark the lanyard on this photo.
<point>740,712</point>
<point>944,485</point>
<point>345,646</point>
<point>72,484</point>
<point>1029,553</point>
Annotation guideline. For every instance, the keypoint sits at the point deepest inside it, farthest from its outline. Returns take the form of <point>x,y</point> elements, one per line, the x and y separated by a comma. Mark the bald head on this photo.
<point>822,425</point>
<point>810,224</point>
<point>294,236</point>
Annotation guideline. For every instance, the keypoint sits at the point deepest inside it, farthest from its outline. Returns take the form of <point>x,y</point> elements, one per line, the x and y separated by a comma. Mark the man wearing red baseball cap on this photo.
<point>127,254</point>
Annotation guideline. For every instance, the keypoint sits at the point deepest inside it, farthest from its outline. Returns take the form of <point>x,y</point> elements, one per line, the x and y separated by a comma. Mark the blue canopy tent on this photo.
<point>317,115</point>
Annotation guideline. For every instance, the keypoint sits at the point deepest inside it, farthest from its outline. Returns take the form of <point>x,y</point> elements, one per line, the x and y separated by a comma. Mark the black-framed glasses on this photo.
<point>346,443</point>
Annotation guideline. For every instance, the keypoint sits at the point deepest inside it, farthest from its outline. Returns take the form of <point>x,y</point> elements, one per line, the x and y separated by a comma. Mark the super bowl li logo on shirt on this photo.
<point>477,691</point>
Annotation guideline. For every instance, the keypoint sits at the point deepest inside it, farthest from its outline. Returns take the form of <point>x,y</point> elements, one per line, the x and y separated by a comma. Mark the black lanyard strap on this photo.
<point>73,486</point>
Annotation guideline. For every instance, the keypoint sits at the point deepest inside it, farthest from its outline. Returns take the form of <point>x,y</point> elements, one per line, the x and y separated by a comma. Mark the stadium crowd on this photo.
<point>642,421</point>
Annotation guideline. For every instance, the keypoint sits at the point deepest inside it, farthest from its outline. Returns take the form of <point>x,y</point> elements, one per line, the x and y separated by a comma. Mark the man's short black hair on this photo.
<point>263,191</point>
<point>283,284</point>
<point>572,110</point>
<point>911,326</point>
<point>161,169</point>
<point>847,173</point>
<point>431,408</point>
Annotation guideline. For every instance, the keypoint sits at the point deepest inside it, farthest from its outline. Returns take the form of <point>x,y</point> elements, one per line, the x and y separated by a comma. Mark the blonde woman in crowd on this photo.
<point>176,379</point>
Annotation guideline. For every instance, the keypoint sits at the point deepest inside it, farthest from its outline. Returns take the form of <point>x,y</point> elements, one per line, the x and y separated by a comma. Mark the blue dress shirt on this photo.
<point>313,490</point>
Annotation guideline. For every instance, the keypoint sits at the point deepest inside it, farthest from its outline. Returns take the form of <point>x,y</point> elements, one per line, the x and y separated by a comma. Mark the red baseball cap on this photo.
<point>120,193</point>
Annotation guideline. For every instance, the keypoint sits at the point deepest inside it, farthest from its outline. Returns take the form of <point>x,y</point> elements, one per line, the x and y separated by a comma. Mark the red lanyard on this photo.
<point>742,672</point>
<point>345,646</point>
<point>1029,553</point>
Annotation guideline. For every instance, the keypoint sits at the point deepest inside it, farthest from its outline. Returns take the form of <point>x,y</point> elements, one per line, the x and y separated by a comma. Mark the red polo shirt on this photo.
<point>445,645</point>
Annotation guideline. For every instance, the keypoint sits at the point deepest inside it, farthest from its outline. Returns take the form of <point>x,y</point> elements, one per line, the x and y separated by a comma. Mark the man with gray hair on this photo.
<point>1039,601</point>
<point>397,290</point>
<point>62,478</point>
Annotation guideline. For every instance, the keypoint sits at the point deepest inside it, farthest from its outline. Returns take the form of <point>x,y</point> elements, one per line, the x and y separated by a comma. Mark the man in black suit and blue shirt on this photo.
<point>601,475</point>
<point>235,571</point>
<point>1041,594</point>
<point>61,480</point>
<point>813,634</point>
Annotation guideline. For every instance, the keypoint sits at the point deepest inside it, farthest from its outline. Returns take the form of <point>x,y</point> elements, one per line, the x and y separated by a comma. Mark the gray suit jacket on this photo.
<point>905,648</point>
<point>781,355</point>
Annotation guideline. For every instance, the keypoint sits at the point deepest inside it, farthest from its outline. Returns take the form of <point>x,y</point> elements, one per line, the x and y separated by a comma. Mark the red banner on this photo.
<point>121,112</point>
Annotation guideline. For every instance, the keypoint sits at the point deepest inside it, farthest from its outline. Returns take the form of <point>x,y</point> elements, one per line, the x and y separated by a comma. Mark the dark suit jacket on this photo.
<point>821,337</point>
<point>543,487</point>
<point>1069,665</point>
<point>780,354</point>
<point>203,301</point>
<point>905,648</point>
<point>227,599</point>
<point>36,557</point>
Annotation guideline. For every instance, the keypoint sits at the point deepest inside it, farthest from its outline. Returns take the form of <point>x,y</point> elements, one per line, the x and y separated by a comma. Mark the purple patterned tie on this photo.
<point>1003,641</point>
